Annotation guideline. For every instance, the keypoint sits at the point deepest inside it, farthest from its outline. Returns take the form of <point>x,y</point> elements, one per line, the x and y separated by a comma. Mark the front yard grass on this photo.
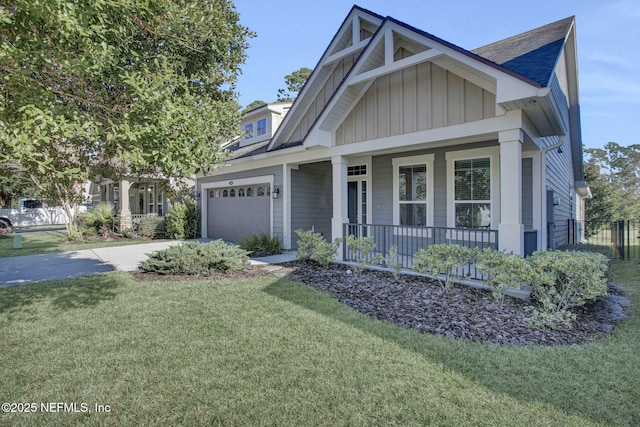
<point>269,351</point>
<point>40,242</point>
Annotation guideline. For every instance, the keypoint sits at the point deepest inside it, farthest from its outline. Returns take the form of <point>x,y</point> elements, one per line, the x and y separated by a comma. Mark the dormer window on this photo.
<point>261,128</point>
<point>248,131</point>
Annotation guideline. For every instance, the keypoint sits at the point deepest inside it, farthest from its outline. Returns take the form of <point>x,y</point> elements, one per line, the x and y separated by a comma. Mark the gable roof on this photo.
<point>533,53</point>
<point>529,57</point>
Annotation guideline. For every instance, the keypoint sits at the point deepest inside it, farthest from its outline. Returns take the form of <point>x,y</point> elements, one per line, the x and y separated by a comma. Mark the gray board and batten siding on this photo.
<point>311,199</point>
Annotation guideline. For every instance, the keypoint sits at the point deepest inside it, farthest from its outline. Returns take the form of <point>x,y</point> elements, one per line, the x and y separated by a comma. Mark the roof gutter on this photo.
<point>582,188</point>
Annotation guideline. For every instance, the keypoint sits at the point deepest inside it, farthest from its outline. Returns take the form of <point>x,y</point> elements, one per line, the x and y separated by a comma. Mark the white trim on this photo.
<point>426,159</point>
<point>204,197</point>
<point>285,193</point>
<point>366,160</point>
<point>493,153</point>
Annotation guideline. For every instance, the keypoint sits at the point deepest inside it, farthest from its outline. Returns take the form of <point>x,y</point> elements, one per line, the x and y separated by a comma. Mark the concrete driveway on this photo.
<point>21,270</point>
<point>63,265</point>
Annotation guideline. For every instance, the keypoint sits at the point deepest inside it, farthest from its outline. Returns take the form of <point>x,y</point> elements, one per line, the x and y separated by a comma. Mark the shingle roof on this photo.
<point>533,53</point>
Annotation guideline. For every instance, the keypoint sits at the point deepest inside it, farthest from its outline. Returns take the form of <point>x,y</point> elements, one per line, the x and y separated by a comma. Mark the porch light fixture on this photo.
<point>275,192</point>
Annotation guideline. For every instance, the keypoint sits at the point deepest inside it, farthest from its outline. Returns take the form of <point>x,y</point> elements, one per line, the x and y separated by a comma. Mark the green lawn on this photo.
<point>40,242</point>
<point>268,351</point>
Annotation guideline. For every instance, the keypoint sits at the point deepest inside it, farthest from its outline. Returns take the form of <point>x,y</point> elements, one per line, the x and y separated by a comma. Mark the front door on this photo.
<point>357,205</point>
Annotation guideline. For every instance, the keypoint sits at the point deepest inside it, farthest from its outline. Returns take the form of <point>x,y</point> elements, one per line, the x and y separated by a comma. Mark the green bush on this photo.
<point>313,246</point>
<point>361,248</point>
<point>194,258</point>
<point>306,242</point>
<point>393,262</point>
<point>151,226</point>
<point>563,280</point>
<point>261,244</point>
<point>97,220</point>
<point>501,270</point>
<point>443,260</point>
<point>599,249</point>
<point>129,233</point>
<point>181,222</point>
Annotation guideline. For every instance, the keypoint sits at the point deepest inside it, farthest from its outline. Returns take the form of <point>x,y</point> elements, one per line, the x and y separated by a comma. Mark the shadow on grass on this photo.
<point>572,379</point>
<point>66,294</point>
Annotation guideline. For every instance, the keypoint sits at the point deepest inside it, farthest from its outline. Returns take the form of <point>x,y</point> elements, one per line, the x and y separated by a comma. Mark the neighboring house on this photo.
<point>132,197</point>
<point>408,138</point>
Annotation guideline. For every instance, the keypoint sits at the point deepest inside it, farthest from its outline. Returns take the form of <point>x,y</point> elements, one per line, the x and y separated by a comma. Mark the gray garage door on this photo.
<point>235,212</point>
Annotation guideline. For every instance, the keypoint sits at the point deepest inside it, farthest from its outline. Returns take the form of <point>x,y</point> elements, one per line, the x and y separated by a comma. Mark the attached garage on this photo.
<point>236,210</point>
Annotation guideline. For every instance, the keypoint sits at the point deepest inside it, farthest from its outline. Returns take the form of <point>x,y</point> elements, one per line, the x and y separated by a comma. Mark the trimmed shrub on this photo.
<point>599,249</point>
<point>194,258</point>
<point>502,270</point>
<point>261,244</point>
<point>313,246</point>
<point>563,280</point>
<point>361,248</point>
<point>181,220</point>
<point>443,260</point>
<point>151,226</point>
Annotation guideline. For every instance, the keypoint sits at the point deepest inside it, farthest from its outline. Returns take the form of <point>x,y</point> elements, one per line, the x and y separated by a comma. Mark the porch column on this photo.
<point>340,213</point>
<point>124,212</point>
<point>511,229</point>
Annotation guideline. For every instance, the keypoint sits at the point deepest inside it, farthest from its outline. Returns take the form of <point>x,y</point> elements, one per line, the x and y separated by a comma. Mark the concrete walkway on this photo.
<point>63,265</point>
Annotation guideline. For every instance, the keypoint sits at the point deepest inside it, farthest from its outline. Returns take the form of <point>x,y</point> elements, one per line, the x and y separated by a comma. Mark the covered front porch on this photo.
<point>484,194</point>
<point>133,198</point>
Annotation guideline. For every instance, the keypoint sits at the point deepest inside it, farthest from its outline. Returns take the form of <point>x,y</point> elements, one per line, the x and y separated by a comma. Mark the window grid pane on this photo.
<point>472,181</point>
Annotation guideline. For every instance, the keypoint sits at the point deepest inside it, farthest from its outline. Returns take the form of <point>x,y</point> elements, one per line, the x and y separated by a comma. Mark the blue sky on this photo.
<point>293,34</point>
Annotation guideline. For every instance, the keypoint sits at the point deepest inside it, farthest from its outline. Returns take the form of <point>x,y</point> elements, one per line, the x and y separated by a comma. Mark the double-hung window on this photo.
<point>472,193</point>
<point>412,181</point>
<point>413,190</point>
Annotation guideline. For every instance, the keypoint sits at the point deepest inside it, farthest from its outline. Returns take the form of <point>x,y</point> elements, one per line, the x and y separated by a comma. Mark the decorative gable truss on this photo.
<point>351,39</point>
<point>441,85</point>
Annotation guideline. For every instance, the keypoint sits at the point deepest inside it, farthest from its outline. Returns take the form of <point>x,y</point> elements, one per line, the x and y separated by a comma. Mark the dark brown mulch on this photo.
<point>421,304</point>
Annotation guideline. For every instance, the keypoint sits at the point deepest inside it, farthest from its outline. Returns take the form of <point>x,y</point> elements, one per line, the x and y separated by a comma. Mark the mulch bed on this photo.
<point>421,304</point>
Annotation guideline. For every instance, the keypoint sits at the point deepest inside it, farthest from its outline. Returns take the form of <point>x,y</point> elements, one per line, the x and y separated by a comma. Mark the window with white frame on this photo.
<point>413,190</point>
<point>472,193</point>
<point>248,131</point>
<point>261,127</point>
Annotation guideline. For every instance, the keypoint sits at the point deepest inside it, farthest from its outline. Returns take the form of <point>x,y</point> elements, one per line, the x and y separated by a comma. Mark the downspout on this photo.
<point>545,208</point>
<point>554,146</point>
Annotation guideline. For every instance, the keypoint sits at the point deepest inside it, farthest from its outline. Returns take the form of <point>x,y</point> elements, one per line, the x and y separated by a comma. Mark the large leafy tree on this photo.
<point>613,174</point>
<point>255,104</point>
<point>295,82</point>
<point>15,184</point>
<point>117,87</point>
